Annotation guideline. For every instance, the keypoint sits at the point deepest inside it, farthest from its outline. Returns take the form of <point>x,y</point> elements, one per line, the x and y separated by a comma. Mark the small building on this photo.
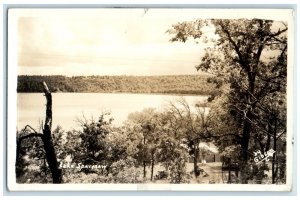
<point>208,153</point>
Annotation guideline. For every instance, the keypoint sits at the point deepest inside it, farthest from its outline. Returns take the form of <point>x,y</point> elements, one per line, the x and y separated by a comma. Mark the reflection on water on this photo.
<point>69,106</point>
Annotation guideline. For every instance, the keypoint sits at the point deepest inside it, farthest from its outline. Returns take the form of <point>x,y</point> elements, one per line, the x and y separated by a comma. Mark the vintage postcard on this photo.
<point>150,99</point>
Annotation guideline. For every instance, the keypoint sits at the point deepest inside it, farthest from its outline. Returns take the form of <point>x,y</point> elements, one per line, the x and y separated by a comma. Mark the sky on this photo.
<point>104,42</point>
<point>86,42</point>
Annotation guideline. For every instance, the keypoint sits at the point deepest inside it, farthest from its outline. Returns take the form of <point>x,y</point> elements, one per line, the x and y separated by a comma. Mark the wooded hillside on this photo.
<point>180,84</point>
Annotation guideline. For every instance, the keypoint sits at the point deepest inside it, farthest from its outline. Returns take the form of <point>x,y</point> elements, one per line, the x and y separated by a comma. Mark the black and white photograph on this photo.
<point>150,99</point>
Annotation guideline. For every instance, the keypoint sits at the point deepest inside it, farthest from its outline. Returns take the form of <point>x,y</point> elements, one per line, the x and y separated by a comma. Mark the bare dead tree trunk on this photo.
<point>47,139</point>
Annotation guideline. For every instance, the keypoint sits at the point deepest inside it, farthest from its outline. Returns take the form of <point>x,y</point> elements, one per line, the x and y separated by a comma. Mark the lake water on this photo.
<point>67,107</point>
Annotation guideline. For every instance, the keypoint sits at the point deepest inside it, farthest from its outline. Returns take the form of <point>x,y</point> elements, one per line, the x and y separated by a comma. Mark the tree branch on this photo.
<point>280,134</point>
<point>218,136</point>
<point>278,32</point>
<point>236,48</point>
<point>28,126</point>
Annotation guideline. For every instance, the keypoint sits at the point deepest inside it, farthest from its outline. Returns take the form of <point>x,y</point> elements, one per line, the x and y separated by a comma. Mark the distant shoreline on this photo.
<point>167,94</point>
<point>168,85</point>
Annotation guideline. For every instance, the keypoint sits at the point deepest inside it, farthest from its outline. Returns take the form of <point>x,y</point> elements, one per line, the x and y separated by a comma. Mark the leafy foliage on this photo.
<point>31,165</point>
<point>126,171</point>
<point>248,61</point>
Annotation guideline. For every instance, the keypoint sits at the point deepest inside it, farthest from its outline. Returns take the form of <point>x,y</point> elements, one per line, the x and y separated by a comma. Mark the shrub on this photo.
<point>125,171</point>
<point>178,172</point>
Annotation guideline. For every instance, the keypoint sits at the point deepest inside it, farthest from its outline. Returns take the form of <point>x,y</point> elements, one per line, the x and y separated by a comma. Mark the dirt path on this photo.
<point>213,170</point>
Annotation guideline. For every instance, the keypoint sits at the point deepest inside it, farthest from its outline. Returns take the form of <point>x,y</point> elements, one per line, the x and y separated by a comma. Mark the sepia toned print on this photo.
<point>150,99</point>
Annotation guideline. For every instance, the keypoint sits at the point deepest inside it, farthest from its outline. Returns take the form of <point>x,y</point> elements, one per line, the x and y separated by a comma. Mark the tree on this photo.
<point>273,124</point>
<point>46,138</point>
<point>193,124</point>
<point>250,57</point>
<point>172,151</point>
<point>144,124</point>
<point>93,148</point>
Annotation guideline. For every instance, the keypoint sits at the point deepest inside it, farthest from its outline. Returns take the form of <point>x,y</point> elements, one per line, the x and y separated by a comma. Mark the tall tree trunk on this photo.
<point>229,171</point>
<point>274,155</point>
<point>244,146</point>
<point>144,164</point>
<point>47,139</point>
<point>268,143</point>
<point>247,126</point>
<point>195,159</point>
<point>152,165</point>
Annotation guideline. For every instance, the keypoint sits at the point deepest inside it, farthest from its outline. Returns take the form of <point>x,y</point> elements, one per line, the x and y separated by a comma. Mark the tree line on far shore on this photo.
<point>175,84</point>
